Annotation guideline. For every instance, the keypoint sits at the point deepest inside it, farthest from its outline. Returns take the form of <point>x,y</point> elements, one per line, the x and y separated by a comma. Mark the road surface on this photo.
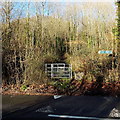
<point>65,107</point>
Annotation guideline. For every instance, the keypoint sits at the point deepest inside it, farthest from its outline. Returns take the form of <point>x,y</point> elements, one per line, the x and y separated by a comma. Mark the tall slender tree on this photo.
<point>118,35</point>
<point>118,28</point>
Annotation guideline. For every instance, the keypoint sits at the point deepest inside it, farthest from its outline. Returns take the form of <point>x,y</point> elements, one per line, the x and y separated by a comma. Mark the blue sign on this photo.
<point>105,52</point>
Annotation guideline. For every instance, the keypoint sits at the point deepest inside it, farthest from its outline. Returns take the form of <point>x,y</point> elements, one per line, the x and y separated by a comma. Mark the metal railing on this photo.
<point>58,70</point>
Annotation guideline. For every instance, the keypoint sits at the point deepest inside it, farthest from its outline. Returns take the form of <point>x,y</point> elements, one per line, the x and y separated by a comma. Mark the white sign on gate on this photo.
<point>105,52</point>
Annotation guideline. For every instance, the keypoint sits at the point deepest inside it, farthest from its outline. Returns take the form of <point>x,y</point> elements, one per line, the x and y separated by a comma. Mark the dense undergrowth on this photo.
<point>30,42</point>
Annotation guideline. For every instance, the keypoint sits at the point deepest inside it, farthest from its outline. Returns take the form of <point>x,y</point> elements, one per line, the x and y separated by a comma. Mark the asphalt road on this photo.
<point>66,107</point>
<point>12,103</point>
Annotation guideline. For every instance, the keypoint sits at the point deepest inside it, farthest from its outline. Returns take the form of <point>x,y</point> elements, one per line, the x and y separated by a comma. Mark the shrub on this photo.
<point>23,87</point>
<point>62,85</point>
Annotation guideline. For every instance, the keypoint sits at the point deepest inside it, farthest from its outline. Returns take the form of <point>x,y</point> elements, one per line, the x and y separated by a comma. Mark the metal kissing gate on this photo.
<point>58,70</point>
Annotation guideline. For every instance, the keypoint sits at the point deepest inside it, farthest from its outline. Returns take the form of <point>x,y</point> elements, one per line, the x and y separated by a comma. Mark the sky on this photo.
<point>23,6</point>
<point>61,5</point>
<point>60,0</point>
